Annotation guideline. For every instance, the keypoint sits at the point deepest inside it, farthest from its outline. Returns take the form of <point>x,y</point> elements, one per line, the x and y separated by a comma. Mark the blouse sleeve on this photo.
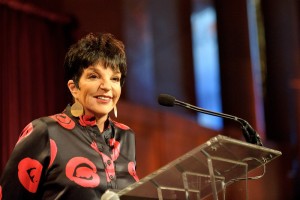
<point>25,170</point>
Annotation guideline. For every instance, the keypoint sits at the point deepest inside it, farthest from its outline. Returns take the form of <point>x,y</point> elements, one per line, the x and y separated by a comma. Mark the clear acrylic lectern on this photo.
<point>204,171</point>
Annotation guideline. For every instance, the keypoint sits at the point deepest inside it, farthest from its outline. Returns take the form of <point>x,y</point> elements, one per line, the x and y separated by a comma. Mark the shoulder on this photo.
<point>36,129</point>
<point>37,125</point>
<point>63,120</point>
<point>120,125</point>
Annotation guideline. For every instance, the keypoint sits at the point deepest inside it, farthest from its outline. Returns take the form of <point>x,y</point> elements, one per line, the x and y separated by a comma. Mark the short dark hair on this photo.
<point>92,49</point>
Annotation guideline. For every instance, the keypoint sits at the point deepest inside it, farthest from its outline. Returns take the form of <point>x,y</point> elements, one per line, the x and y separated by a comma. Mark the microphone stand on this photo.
<point>249,133</point>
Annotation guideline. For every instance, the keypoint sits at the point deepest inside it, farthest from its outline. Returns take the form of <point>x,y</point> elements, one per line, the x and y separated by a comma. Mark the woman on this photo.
<point>81,152</point>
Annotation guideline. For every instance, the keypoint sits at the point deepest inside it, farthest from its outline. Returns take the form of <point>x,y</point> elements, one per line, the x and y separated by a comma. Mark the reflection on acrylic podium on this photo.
<point>204,172</point>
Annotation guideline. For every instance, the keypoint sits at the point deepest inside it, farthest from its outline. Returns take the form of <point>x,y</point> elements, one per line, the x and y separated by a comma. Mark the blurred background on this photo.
<point>237,57</point>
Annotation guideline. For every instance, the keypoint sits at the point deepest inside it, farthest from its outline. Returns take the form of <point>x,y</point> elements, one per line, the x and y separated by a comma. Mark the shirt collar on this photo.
<point>86,120</point>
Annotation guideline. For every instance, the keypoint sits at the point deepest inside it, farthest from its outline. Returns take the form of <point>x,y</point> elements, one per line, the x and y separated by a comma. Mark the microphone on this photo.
<point>250,135</point>
<point>110,195</point>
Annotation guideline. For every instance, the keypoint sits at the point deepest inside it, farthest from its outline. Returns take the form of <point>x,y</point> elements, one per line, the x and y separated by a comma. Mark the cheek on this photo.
<point>84,96</point>
<point>117,93</point>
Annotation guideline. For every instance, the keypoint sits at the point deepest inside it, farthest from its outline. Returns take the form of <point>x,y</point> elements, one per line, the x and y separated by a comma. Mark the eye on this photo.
<point>92,76</point>
<point>116,78</point>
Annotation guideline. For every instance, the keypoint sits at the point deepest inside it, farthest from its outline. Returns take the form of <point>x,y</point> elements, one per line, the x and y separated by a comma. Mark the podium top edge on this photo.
<point>220,138</point>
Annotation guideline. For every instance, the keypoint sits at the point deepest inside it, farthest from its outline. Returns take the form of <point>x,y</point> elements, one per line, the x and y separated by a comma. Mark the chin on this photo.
<point>101,114</point>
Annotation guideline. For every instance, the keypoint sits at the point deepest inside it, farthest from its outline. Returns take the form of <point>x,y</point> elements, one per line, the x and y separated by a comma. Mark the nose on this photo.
<point>105,84</point>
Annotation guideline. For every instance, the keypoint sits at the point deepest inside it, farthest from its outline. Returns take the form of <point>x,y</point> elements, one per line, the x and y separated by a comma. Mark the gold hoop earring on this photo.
<point>77,109</point>
<point>115,111</point>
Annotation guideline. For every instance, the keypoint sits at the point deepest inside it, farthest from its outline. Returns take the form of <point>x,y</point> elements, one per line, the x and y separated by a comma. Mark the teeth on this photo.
<point>104,98</point>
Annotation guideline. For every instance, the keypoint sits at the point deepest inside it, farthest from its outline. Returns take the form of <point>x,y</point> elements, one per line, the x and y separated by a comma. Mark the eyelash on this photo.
<point>116,79</point>
<point>94,76</point>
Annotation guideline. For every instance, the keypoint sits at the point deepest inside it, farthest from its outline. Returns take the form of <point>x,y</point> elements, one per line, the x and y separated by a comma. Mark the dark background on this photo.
<point>35,35</point>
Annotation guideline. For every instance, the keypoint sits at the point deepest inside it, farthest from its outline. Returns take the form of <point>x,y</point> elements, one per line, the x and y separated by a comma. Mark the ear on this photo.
<point>73,89</point>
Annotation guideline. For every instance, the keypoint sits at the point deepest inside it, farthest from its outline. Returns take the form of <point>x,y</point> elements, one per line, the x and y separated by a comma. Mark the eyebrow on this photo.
<point>94,69</point>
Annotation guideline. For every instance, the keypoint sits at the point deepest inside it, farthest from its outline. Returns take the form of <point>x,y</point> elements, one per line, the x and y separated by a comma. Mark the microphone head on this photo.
<point>166,100</point>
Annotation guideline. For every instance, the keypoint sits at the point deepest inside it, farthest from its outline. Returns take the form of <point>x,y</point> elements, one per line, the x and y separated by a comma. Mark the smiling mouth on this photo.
<point>104,98</point>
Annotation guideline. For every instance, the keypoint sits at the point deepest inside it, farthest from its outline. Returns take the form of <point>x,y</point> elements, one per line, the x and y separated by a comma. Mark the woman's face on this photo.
<point>99,90</point>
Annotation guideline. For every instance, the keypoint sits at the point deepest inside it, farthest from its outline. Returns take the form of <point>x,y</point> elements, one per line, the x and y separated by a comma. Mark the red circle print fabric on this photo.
<point>132,172</point>
<point>53,151</point>
<point>29,173</point>
<point>64,120</point>
<point>83,172</point>
<point>0,193</point>
<point>59,157</point>
<point>26,131</point>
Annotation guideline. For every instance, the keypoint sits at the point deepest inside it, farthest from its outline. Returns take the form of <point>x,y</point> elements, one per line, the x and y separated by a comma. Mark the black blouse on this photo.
<point>63,157</point>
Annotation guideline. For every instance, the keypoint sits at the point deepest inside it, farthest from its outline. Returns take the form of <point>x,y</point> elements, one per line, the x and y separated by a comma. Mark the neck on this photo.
<point>101,122</point>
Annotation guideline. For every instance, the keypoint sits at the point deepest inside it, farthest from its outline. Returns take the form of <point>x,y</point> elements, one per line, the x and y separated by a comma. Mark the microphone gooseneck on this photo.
<point>249,133</point>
